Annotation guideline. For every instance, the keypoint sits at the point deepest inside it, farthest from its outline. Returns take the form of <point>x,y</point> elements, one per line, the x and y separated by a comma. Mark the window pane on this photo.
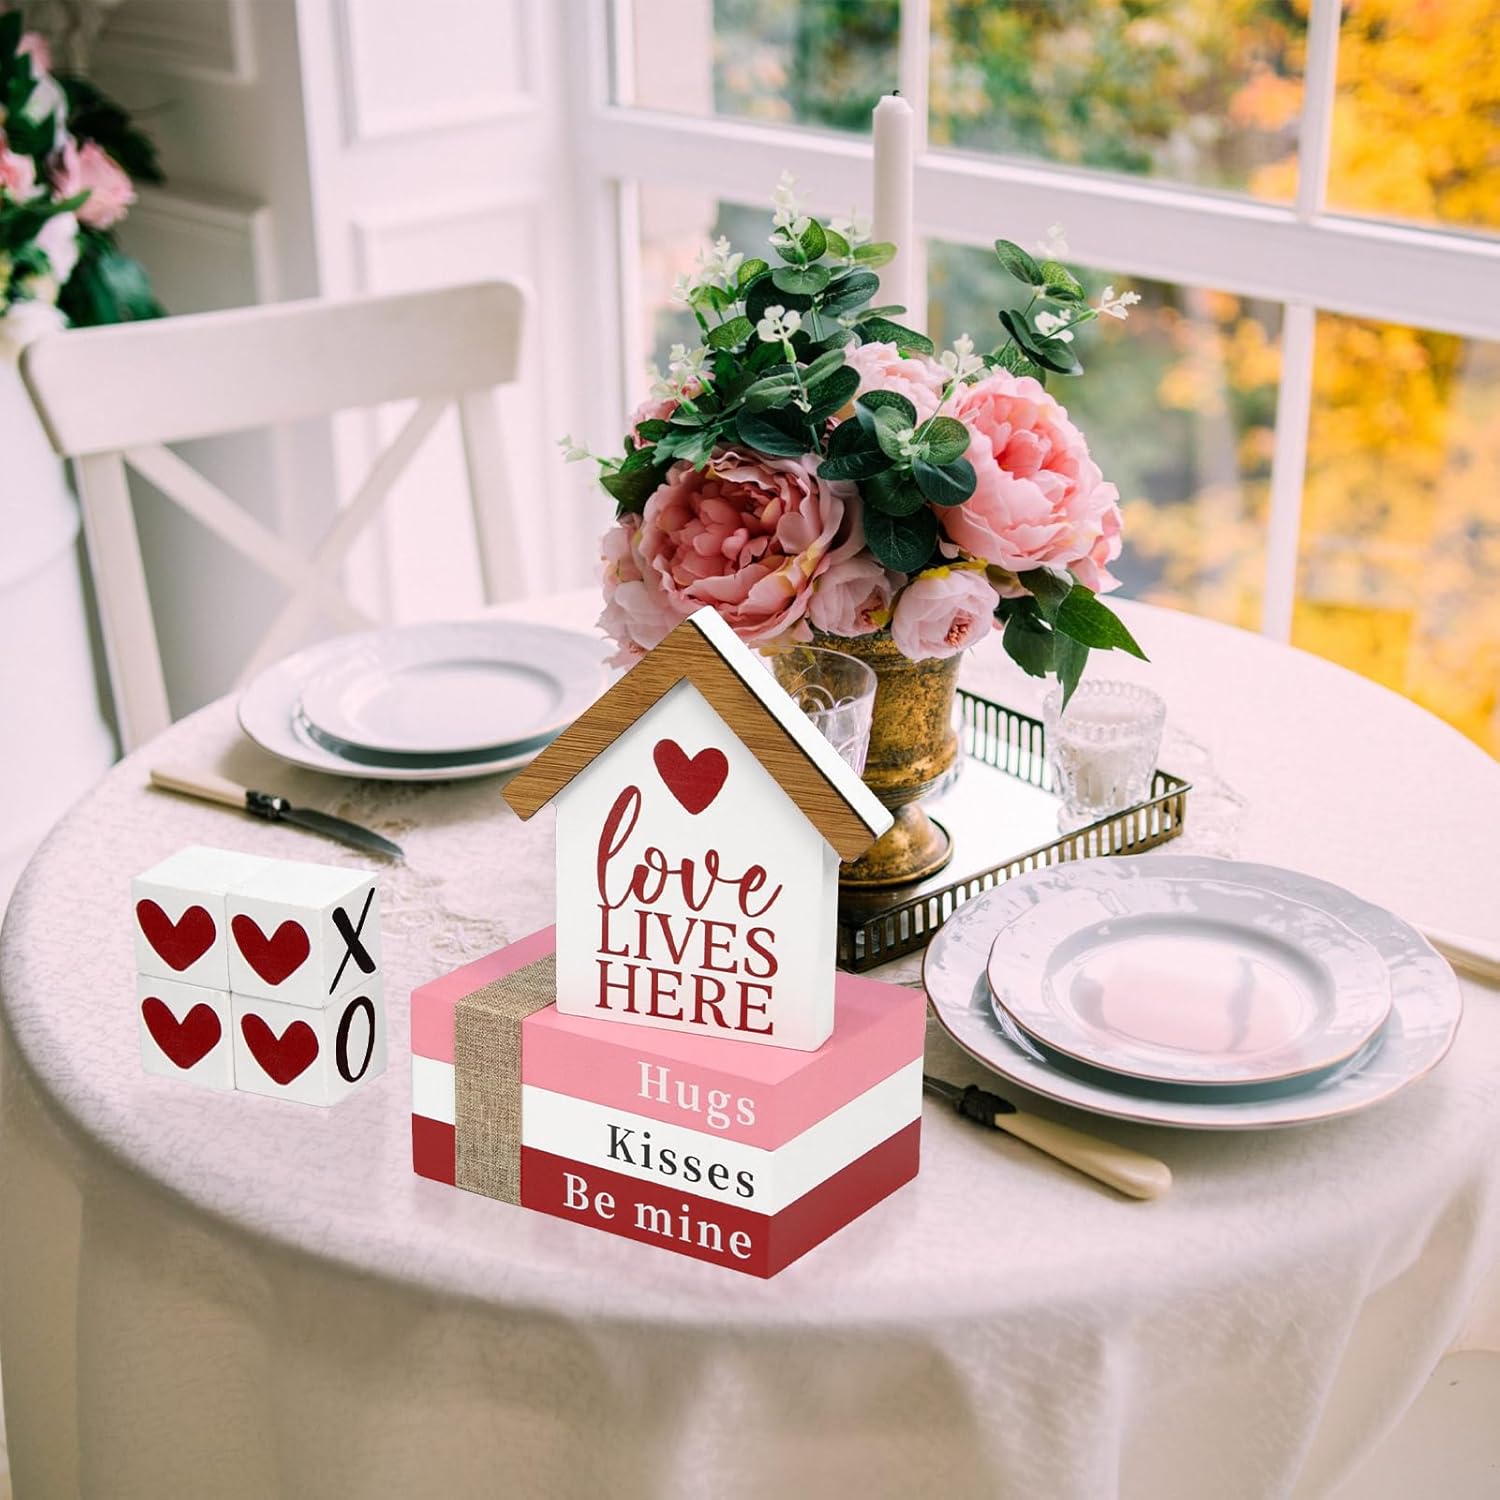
<point>804,62</point>
<point>1199,91</point>
<point>1416,122</point>
<point>1179,406</point>
<point>1399,573</point>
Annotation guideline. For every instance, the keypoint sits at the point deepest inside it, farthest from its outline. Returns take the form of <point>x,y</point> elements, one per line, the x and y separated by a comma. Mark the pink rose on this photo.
<point>943,612</point>
<point>91,169</point>
<point>1039,498</point>
<point>35,46</point>
<point>17,173</point>
<point>636,613</point>
<point>854,596</point>
<point>882,367</point>
<point>749,535</point>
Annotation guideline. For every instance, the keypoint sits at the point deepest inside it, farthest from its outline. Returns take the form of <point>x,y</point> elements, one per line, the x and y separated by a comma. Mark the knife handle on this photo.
<point>204,785</point>
<point>1126,1171</point>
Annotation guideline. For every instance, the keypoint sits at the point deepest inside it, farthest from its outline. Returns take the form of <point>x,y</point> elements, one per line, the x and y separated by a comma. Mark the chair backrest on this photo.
<point>112,397</point>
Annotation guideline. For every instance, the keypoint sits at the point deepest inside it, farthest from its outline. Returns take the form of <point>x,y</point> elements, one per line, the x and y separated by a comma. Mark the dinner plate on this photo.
<point>268,713</point>
<point>1185,979</point>
<point>1425,1004</point>
<point>464,688</point>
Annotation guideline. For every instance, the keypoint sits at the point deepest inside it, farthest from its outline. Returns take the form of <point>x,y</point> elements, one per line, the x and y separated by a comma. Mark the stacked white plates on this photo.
<point>1192,991</point>
<point>425,702</point>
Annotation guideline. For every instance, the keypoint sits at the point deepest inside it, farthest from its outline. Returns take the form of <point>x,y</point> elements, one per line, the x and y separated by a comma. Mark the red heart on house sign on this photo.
<point>180,943</point>
<point>273,958</point>
<point>186,1041</point>
<point>282,1057</point>
<point>694,781</point>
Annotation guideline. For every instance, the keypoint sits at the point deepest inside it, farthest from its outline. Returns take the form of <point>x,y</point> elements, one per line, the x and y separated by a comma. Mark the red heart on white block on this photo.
<point>694,781</point>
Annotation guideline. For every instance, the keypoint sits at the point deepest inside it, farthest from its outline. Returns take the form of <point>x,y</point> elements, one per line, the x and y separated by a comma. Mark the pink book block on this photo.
<point>761,1096</point>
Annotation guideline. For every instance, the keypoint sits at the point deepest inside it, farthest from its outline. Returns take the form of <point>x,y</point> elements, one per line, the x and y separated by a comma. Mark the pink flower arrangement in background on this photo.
<point>91,169</point>
<point>814,467</point>
<point>68,154</point>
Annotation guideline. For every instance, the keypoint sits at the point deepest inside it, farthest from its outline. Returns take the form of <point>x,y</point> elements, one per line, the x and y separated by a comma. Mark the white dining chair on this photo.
<point>116,396</point>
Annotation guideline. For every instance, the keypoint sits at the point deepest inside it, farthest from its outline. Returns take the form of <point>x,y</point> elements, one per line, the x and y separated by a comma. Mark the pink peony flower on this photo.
<point>854,596</point>
<point>749,535</point>
<point>17,173</point>
<point>882,367</point>
<point>943,612</point>
<point>91,169</point>
<point>35,46</point>
<point>635,609</point>
<point>1039,498</point>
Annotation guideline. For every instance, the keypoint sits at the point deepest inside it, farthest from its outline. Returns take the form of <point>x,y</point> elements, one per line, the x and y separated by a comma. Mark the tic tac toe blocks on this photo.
<point>302,933</point>
<point>181,924</point>
<point>185,1032</point>
<point>260,975</point>
<point>746,1157</point>
<point>315,1055</point>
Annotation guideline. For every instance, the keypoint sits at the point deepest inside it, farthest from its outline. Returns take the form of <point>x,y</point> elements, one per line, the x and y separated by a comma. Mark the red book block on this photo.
<point>738,1239</point>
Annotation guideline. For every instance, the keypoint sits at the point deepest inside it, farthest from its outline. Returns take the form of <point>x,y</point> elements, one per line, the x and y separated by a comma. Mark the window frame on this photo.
<point>1299,255</point>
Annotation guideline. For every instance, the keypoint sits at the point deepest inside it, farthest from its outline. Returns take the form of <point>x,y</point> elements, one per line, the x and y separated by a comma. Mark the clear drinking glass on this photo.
<point>1103,749</point>
<point>835,691</point>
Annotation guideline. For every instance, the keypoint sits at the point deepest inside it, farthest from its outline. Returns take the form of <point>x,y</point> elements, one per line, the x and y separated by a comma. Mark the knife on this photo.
<point>208,787</point>
<point>1126,1171</point>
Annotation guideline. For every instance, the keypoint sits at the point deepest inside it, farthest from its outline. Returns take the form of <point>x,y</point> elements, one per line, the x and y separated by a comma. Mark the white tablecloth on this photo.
<point>206,1295</point>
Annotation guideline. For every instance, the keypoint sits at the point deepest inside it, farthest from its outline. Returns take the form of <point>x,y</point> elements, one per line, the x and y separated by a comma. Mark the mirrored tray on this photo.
<point>999,809</point>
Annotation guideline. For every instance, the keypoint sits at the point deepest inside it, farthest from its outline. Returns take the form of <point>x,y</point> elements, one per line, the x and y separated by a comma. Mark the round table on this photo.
<point>206,1294</point>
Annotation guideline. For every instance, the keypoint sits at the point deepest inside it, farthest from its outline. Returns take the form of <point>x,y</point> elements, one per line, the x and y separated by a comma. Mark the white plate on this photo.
<point>460,688</point>
<point>268,714</point>
<point>1425,1003</point>
<point>1184,979</point>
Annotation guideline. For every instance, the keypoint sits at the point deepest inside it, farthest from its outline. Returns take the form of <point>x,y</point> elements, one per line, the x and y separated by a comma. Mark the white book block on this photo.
<point>303,933</point>
<point>314,1056</point>
<point>185,1032</point>
<point>181,924</point>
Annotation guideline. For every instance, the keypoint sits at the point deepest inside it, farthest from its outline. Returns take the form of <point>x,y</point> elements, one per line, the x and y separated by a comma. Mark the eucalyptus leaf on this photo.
<point>765,293</point>
<point>781,433</point>
<point>874,401</point>
<point>837,244</point>
<point>880,254</point>
<point>822,367</point>
<point>903,543</point>
<point>749,270</point>
<point>883,331</point>
<point>945,484</point>
<point>770,390</point>
<point>806,281</point>
<point>892,432</point>
<point>860,463</point>
<point>1060,282</point>
<point>892,493</point>
<point>730,333</point>
<point>1019,263</point>
<point>945,438</point>
<point>1015,359</point>
<point>651,430</point>
<point>850,437</point>
<point>833,394</point>
<point>813,240</point>
<point>1050,353</point>
<point>850,291</point>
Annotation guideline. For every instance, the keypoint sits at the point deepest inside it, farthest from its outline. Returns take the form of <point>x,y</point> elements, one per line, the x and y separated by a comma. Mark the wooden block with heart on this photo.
<point>259,974</point>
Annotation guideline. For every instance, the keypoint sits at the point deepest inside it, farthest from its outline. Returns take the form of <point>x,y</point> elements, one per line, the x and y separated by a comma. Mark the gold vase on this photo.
<point>912,746</point>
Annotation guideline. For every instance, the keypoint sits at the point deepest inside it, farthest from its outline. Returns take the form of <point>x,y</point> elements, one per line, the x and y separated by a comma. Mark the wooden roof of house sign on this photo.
<point>701,819</point>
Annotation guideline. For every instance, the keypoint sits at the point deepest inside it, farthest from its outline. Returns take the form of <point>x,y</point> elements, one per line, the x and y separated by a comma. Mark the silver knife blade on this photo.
<point>279,810</point>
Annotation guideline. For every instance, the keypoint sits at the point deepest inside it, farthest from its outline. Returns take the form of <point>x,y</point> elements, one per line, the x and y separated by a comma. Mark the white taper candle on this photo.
<point>895,155</point>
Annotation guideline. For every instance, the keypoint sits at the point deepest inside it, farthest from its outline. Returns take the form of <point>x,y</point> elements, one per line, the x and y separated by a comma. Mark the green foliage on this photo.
<point>773,377</point>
